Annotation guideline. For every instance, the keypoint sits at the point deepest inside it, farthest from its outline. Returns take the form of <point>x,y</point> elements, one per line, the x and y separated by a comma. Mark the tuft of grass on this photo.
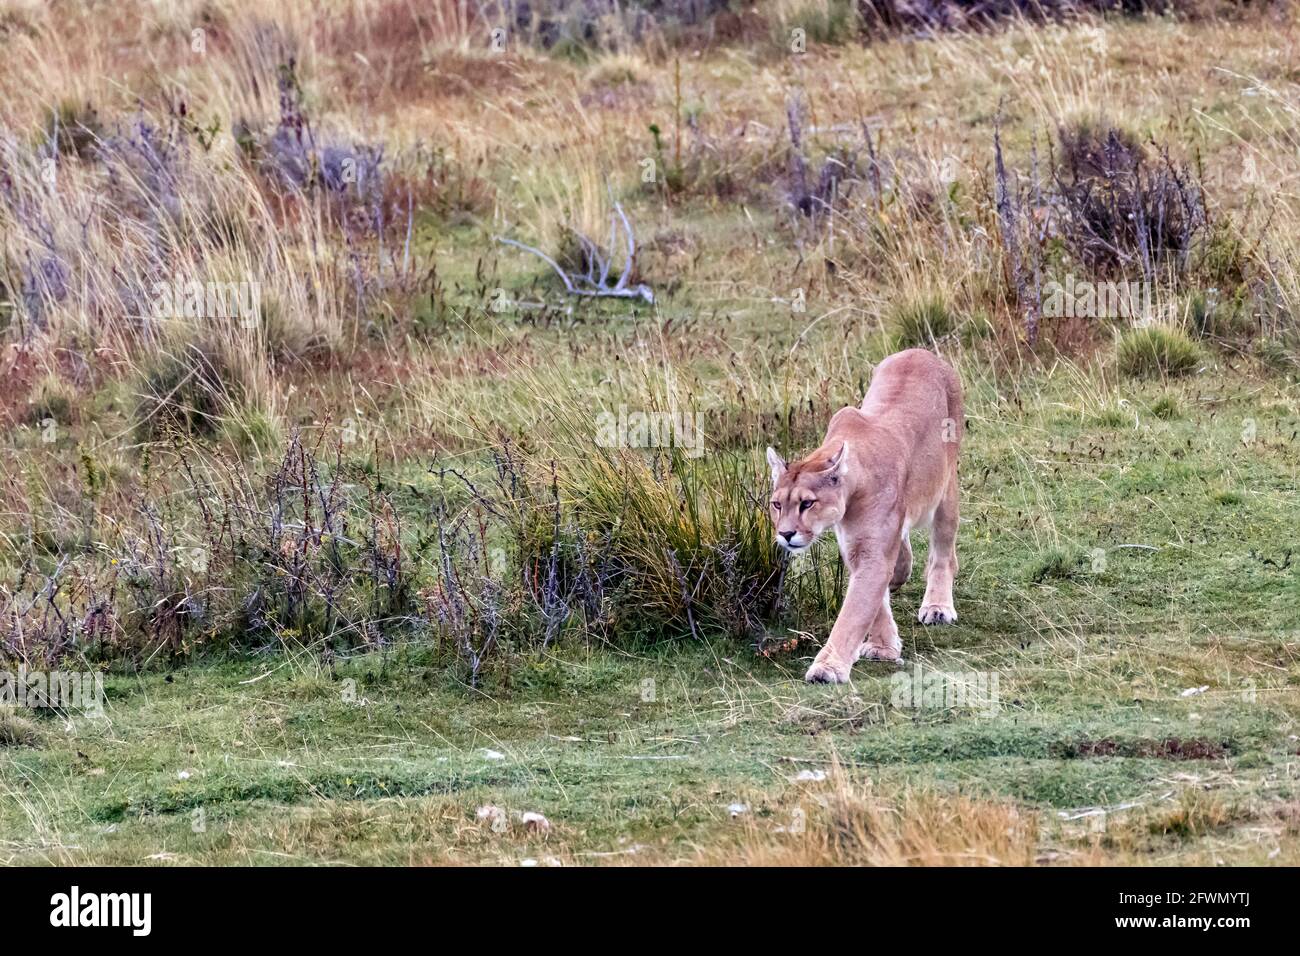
<point>854,825</point>
<point>253,432</point>
<point>1197,814</point>
<point>17,731</point>
<point>921,323</point>
<point>1112,416</point>
<point>1126,209</point>
<point>1227,497</point>
<point>692,542</point>
<point>1055,564</point>
<point>1157,351</point>
<point>1166,408</point>
<point>822,21</point>
<point>1212,316</point>
<point>288,337</point>
<point>55,399</point>
<point>74,127</point>
<point>1276,356</point>
<point>1224,260</point>
<point>197,388</point>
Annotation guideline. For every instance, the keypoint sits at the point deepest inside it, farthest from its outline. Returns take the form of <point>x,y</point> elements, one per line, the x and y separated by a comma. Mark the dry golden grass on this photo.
<point>16,730</point>
<point>557,152</point>
<point>853,824</point>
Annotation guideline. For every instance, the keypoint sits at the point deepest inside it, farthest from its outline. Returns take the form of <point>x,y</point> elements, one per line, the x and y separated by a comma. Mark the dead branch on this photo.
<point>595,281</point>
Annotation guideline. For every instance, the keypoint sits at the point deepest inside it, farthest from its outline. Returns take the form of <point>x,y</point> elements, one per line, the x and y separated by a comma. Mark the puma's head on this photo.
<point>807,497</point>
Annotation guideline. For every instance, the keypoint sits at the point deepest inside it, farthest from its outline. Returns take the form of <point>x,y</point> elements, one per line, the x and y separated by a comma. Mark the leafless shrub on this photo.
<point>146,166</point>
<point>40,278</point>
<point>1123,212</point>
<point>1109,209</point>
<point>299,159</point>
<point>885,17</point>
<point>47,616</point>
<point>464,603</point>
<point>1021,228</point>
<point>839,170</point>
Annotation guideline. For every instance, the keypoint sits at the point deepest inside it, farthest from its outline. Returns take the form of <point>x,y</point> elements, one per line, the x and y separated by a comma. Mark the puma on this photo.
<point>883,470</point>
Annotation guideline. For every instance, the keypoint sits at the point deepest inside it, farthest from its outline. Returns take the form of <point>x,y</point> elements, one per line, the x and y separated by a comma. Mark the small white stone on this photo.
<point>535,822</point>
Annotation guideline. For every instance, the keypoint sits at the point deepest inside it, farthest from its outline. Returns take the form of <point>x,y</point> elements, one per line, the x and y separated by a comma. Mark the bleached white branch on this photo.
<point>591,284</point>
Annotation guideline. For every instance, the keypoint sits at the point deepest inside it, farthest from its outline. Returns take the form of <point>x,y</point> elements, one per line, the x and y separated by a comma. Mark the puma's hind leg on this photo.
<point>903,567</point>
<point>941,566</point>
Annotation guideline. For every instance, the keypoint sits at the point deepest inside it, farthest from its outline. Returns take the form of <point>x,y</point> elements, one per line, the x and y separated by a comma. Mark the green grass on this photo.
<point>211,768</point>
<point>1106,569</point>
<point>1157,351</point>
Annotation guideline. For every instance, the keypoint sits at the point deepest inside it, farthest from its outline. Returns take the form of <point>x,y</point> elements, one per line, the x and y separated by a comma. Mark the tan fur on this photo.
<point>883,470</point>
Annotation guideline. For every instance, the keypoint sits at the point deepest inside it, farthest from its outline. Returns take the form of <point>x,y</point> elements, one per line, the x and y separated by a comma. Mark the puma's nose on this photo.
<point>788,535</point>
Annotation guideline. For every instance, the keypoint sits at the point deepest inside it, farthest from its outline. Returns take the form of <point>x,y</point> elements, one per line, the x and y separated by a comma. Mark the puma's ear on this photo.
<point>838,464</point>
<point>776,463</point>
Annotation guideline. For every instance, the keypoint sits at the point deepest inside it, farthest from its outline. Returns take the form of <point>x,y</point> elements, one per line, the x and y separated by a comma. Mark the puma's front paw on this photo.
<point>827,669</point>
<point>937,614</point>
<point>881,652</point>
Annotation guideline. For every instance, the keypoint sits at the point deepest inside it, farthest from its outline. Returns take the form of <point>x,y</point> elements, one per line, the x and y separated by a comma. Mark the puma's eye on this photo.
<point>806,504</point>
<point>776,505</point>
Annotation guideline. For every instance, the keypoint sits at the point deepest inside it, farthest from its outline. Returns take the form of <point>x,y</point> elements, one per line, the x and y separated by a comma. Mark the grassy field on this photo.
<point>1091,753</point>
<point>365,581</point>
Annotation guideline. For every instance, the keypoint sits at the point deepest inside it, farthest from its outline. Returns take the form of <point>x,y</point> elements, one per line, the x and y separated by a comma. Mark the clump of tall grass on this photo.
<point>17,731</point>
<point>821,21</point>
<point>920,323</point>
<point>686,525</point>
<point>1195,814</point>
<point>1215,316</point>
<point>202,385</point>
<point>1055,564</point>
<point>854,824</point>
<point>54,400</point>
<point>1157,351</point>
<point>74,127</point>
<point>1278,356</point>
